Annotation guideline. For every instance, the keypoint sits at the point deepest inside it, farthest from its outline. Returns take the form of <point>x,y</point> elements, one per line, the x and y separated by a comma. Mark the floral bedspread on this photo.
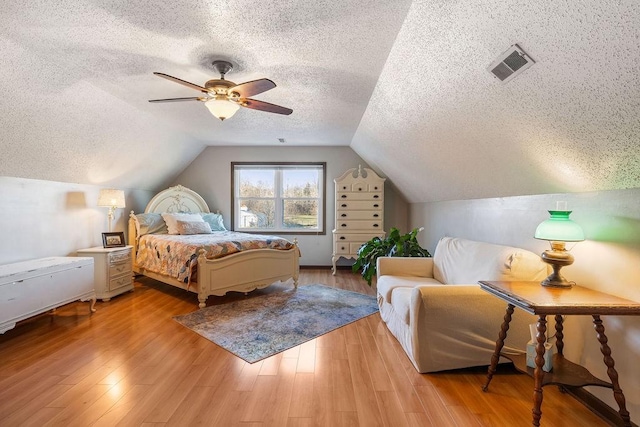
<point>177,255</point>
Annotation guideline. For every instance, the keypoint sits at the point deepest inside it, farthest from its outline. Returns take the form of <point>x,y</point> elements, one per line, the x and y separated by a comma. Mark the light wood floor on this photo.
<point>130,364</point>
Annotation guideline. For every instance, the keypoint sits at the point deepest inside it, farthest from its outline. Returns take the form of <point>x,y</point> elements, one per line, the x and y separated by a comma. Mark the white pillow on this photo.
<point>188,227</point>
<point>172,220</point>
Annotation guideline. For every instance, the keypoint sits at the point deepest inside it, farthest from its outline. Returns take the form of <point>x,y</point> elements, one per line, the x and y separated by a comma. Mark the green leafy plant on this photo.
<point>395,244</point>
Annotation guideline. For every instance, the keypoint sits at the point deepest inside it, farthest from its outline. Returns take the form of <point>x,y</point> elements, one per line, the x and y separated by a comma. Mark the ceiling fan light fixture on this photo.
<point>221,108</point>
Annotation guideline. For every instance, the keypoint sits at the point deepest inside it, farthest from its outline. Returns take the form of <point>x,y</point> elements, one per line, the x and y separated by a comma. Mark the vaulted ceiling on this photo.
<point>404,83</point>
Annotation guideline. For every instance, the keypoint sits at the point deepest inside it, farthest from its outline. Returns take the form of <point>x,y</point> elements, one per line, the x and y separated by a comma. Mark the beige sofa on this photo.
<point>439,314</point>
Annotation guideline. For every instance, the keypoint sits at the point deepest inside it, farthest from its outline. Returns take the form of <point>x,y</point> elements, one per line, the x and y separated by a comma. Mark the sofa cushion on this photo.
<point>460,261</point>
<point>386,284</point>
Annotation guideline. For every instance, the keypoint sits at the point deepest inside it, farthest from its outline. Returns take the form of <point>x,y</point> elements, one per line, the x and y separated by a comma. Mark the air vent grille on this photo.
<point>511,63</point>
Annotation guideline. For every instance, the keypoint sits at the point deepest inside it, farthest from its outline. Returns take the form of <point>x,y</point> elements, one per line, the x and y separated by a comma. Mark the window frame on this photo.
<point>279,166</point>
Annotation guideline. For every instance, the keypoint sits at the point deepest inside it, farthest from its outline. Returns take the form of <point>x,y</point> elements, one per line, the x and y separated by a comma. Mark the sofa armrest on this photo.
<point>457,326</point>
<point>404,266</point>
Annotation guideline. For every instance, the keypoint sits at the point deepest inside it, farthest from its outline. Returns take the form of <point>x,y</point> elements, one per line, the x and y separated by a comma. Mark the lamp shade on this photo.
<point>559,228</point>
<point>221,108</point>
<point>111,198</point>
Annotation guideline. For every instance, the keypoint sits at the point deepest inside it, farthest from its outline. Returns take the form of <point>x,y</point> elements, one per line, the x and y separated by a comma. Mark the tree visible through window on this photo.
<point>279,197</point>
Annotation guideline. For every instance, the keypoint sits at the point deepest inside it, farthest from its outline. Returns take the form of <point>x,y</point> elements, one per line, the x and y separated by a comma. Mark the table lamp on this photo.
<point>111,199</point>
<point>557,230</point>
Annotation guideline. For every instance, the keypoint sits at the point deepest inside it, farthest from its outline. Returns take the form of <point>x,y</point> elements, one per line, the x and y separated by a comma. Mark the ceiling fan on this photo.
<point>223,97</point>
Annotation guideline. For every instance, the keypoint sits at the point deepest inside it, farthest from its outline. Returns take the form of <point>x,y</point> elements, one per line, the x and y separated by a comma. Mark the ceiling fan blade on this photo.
<point>253,87</point>
<point>180,81</point>
<point>265,106</point>
<point>195,98</point>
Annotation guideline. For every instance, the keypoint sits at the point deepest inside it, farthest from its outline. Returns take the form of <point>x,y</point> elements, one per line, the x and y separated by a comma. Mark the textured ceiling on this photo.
<point>76,77</point>
<point>570,123</point>
<point>405,83</point>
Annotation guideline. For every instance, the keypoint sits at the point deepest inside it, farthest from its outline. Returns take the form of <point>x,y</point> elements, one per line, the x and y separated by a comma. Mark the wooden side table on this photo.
<point>543,301</point>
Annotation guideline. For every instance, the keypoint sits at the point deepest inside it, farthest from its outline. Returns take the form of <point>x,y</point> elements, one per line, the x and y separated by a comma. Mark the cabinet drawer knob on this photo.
<point>376,225</point>
<point>344,196</point>
<point>376,196</point>
<point>376,205</point>
<point>344,205</point>
<point>342,248</point>
<point>343,215</point>
<point>343,225</point>
<point>376,215</point>
<point>342,237</point>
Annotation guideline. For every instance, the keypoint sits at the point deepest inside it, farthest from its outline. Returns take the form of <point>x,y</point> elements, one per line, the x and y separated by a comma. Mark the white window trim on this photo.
<point>279,167</point>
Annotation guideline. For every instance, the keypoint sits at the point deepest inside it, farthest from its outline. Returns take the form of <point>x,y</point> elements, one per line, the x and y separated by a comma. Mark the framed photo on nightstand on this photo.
<point>113,240</point>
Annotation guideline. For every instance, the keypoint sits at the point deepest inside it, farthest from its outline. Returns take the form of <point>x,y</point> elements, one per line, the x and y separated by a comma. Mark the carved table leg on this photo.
<point>92,307</point>
<point>333,264</point>
<point>560,343</point>
<point>559,335</point>
<point>538,373</point>
<point>611,371</point>
<point>495,358</point>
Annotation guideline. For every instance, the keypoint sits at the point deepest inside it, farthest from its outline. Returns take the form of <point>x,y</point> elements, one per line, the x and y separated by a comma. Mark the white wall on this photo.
<point>46,218</point>
<point>608,260</point>
<point>210,176</point>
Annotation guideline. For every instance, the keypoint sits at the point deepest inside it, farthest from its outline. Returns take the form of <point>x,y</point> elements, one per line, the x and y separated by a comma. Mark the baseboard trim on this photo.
<point>315,267</point>
<point>596,405</point>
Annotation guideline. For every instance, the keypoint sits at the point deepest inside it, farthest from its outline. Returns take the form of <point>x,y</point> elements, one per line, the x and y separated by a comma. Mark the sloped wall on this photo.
<point>608,261</point>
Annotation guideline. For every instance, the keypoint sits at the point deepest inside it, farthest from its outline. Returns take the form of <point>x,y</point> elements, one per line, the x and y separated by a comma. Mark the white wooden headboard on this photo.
<point>177,199</point>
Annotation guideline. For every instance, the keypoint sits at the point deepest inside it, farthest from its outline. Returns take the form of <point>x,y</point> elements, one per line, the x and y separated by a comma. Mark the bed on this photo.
<point>206,273</point>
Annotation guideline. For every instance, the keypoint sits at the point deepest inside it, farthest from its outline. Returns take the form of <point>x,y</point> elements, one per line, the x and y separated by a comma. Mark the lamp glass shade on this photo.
<point>221,108</point>
<point>111,198</point>
<point>559,228</point>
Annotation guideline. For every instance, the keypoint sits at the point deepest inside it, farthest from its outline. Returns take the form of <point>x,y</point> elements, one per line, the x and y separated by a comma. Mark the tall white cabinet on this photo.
<point>359,212</point>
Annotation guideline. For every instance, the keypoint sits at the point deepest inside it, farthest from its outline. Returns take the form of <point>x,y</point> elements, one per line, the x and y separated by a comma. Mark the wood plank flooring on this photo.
<point>130,364</point>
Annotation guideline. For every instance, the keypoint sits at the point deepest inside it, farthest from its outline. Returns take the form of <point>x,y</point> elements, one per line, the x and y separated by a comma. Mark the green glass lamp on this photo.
<point>557,230</point>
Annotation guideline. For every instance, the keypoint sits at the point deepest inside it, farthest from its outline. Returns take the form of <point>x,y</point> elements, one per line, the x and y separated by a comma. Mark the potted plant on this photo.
<point>395,244</point>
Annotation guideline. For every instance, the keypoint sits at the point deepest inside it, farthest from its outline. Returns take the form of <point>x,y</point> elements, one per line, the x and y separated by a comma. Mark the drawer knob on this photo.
<point>344,196</point>
<point>344,205</point>
<point>376,196</point>
<point>342,237</point>
<point>343,215</point>
<point>376,225</point>
<point>343,225</point>
<point>376,205</point>
<point>342,248</point>
<point>376,215</point>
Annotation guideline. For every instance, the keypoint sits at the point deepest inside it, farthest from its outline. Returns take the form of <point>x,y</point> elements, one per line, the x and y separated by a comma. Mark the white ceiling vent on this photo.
<point>511,63</point>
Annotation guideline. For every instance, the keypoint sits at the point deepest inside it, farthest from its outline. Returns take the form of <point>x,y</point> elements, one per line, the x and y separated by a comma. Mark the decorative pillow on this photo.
<point>187,227</point>
<point>214,220</point>
<point>150,223</point>
<point>172,220</point>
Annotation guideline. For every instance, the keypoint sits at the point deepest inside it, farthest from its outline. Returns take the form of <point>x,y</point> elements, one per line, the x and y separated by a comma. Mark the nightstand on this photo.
<point>113,273</point>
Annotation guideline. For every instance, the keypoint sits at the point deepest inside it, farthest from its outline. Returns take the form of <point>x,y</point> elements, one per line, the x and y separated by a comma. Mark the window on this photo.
<point>278,197</point>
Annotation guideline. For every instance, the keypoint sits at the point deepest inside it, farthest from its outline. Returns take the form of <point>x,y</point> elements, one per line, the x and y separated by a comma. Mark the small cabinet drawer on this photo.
<point>342,248</point>
<point>120,282</point>
<point>120,257</point>
<point>116,269</point>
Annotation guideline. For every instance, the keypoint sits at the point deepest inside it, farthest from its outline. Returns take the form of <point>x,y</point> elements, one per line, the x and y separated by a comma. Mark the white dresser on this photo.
<point>359,212</point>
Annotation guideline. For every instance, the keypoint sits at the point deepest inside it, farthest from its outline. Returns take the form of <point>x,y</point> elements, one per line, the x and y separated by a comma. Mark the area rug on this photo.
<point>261,326</point>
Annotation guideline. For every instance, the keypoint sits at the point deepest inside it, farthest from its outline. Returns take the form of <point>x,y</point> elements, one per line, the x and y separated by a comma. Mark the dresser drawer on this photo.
<point>359,225</point>
<point>377,195</point>
<point>120,282</point>
<point>120,257</point>
<point>359,205</point>
<point>341,248</point>
<point>356,237</point>
<point>347,214</point>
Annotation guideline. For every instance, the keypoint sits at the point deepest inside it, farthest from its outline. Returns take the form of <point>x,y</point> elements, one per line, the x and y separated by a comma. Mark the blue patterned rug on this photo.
<point>261,326</point>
